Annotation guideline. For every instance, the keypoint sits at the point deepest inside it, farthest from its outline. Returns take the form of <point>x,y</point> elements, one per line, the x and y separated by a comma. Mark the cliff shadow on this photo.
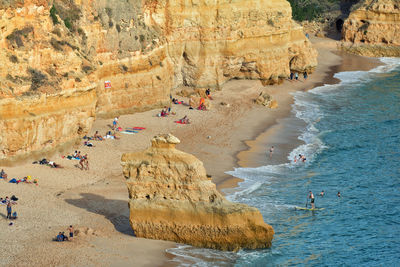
<point>116,211</point>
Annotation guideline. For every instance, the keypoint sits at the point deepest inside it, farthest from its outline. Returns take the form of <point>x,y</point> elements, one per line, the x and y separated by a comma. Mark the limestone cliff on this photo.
<point>211,42</point>
<point>46,96</point>
<point>58,54</point>
<point>374,27</point>
<point>171,198</point>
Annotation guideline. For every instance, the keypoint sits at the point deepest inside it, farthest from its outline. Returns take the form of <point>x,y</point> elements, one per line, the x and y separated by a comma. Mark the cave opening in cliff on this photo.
<point>291,62</point>
<point>339,25</point>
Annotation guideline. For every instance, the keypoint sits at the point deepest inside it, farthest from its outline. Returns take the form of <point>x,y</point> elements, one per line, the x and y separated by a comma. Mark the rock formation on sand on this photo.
<point>57,56</point>
<point>374,28</point>
<point>171,198</point>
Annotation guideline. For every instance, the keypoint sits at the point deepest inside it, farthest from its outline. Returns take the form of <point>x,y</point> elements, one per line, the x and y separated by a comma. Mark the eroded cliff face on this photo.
<point>171,198</point>
<point>46,97</point>
<point>374,28</point>
<point>211,42</point>
<point>58,54</point>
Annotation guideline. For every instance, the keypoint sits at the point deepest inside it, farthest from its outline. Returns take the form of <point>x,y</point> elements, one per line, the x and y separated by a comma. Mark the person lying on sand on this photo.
<point>184,120</point>
<point>111,135</point>
<point>97,136</point>
<point>88,143</point>
<point>54,165</point>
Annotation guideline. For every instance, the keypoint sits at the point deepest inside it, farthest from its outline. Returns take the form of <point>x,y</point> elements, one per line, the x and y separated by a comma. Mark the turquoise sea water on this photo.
<point>352,145</point>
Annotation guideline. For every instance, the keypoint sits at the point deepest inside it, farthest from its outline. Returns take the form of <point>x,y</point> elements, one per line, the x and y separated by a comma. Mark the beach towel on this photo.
<point>132,131</point>
<point>180,122</point>
<point>138,128</point>
<point>125,132</point>
<point>13,180</point>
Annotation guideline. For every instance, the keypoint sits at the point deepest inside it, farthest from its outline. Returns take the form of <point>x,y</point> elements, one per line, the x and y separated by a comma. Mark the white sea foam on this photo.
<point>186,255</point>
<point>390,63</point>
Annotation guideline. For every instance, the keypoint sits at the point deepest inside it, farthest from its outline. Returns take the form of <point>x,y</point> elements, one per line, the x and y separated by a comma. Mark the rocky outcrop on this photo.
<point>374,28</point>
<point>67,51</point>
<point>171,198</point>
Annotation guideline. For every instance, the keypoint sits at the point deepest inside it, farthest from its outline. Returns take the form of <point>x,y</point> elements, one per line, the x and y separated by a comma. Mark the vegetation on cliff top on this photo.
<point>315,9</point>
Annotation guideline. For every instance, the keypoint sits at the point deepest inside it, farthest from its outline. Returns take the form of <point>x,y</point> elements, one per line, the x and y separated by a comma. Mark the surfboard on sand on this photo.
<point>125,132</point>
<point>302,208</point>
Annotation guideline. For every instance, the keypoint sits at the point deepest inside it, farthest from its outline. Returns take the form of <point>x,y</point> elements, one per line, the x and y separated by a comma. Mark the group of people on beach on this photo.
<point>61,237</point>
<point>295,75</point>
<point>9,202</point>
<point>27,179</point>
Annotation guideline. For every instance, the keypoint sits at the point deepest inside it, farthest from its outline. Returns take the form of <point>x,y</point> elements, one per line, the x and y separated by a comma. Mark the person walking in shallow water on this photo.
<point>271,150</point>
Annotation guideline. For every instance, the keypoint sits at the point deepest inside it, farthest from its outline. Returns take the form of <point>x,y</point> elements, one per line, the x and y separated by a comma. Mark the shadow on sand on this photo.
<point>116,211</point>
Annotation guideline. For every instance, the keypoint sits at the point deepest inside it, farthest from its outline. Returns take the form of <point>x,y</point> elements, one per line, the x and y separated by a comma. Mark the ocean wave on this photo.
<point>390,64</point>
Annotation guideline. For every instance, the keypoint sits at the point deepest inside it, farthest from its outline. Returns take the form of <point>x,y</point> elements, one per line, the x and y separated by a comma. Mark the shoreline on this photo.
<point>285,132</point>
<point>97,199</point>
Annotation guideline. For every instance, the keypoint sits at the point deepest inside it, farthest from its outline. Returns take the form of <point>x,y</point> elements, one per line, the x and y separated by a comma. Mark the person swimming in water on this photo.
<point>322,193</point>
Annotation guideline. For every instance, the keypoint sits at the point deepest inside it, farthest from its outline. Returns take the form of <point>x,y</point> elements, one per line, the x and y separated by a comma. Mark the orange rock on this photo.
<point>171,198</point>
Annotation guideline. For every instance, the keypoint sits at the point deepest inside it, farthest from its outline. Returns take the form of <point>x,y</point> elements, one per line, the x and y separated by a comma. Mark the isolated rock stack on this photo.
<point>171,198</point>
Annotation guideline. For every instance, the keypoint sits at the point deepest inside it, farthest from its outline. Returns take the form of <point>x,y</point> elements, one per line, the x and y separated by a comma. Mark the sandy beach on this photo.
<point>95,200</point>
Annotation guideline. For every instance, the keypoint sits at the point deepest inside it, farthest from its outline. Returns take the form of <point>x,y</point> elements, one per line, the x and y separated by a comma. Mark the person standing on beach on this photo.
<point>271,150</point>
<point>291,76</point>
<point>86,162</point>
<point>296,76</point>
<point>9,210</point>
<point>71,232</point>
<point>115,123</point>
<point>305,75</point>
<point>312,199</point>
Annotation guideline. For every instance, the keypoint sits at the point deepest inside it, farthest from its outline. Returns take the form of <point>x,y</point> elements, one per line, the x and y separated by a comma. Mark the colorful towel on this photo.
<point>180,122</point>
<point>125,132</point>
